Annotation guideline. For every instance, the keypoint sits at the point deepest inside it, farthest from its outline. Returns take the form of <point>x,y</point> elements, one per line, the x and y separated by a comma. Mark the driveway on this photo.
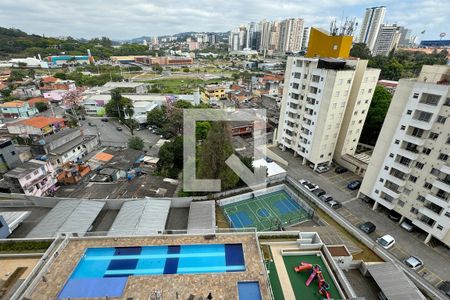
<point>437,263</point>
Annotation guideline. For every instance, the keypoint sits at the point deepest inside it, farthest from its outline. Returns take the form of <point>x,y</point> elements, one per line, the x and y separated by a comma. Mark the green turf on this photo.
<point>274,281</point>
<point>298,280</point>
<point>267,202</point>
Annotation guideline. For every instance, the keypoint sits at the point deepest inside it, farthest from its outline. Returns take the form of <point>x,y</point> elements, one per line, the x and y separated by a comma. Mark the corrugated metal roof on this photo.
<point>68,216</point>
<point>141,217</point>
<point>393,282</point>
<point>202,217</point>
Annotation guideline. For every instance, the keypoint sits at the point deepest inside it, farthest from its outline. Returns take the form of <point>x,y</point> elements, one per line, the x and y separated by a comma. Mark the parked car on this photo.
<point>319,192</point>
<point>386,241</point>
<point>368,227</point>
<point>354,185</point>
<point>413,262</point>
<point>322,169</point>
<point>325,198</point>
<point>310,186</point>
<point>394,216</point>
<point>340,170</point>
<point>105,120</point>
<point>334,204</point>
<point>407,226</point>
<point>119,128</point>
<point>303,181</point>
<point>445,287</point>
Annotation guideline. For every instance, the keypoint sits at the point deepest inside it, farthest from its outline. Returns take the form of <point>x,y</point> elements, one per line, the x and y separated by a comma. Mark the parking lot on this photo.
<point>436,260</point>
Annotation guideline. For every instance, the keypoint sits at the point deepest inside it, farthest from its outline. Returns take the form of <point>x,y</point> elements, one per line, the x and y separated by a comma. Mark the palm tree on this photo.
<point>129,111</point>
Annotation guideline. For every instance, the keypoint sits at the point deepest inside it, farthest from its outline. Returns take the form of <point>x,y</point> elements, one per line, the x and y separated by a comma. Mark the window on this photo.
<point>448,140</point>
<point>397,142</point>
<point>337,94</point>
<point>386,168</point>
<point>447,102</point>
<point>427,185</point>
<point>377,191</point>
<point>408,112</point>
<point>439,227</point>
<point>35,172</point>
<point>350,81</point>
<point>403,127</point>
<point>433,136</point>
<point>443,156</point>
<point>391,154</point>
<point>441,119</point>
<point>370,91</point>
<point>435,172</point>
<point>381,180</point>
<point>421,198</point>
<point>416,95</point>
<point>426,151</point>
<point>447,214</point>
<point>401,203</point>
<point>412,178</point>
<point>419,165</point>
<point>28,177</point>
<point>414,210</point>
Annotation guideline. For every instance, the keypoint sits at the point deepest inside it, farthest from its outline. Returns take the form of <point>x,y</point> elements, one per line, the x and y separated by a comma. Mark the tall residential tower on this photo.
<point>371,24</point>
<point>409,171</point>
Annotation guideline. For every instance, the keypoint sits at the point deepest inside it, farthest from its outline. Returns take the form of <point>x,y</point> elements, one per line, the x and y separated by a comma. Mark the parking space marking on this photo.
<point>351,200</point>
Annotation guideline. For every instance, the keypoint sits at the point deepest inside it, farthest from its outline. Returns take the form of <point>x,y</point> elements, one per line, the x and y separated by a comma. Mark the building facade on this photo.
<point>387,40</point>
<point>291,35</point>
<point>371,24</point>
<point>9,156</point>
<point>316,106</point>
<point>17,109</point>
<point>409,170</point>
<point>33,178</point>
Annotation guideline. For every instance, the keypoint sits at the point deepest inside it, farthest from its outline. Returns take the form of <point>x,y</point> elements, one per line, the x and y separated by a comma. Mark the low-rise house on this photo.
<point>33,178</point>
<point>213,93</point>
<point>69,145</point>
<point>72,173</point>
<point>32,102</point>
<point>9,156</point>
<point>116,164</point>
<point>17,109</point>
<point>26,91</point>
<point>36,126</point>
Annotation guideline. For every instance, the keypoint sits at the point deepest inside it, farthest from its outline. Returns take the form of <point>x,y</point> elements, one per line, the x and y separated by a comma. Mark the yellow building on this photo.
<point>212,92</point>
<point>322,44</point>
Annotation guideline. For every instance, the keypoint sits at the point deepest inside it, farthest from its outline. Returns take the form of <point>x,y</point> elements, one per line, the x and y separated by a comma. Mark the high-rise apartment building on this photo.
<point>264,28</point>
<point>305,38</point>
<point>409,171</point>
<point>291,35</point>
<point>324,106</point>
<point>387,40</point>
<point>371,24</point>
<point>237,39</point>
<point>406,39</point>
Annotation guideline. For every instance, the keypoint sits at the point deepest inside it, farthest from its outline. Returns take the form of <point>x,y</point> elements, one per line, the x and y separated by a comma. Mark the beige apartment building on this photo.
<point>324,106</point>
<point>409,170</point>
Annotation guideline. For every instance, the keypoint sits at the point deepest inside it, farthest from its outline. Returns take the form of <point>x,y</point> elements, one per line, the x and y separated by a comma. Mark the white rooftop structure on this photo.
<point>12,219</point>
<point>141,217</point>
<point>202,217</point>
<point>74,216</point>
<point>393,282</point>
<point>273,169</point>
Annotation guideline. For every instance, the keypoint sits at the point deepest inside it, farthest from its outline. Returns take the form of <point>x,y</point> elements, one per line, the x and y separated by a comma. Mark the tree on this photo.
<point>201,129</point>
<point>115,107</point>
<point>214,152</point>
<point>360,50</point>
<point>129,112</point>
<point>157,116</point>
<point>135,143</point>
<point>41,106</point>
<point>171,158</point>
<point>157,68</point>
<point>186,70</point>
<point>376,115</point>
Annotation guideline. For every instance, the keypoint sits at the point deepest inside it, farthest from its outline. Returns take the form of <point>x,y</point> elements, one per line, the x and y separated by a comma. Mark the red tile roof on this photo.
<point>40,122</point>
<point>12,104</point>
<point>33,101</point>
<point>49,79</point>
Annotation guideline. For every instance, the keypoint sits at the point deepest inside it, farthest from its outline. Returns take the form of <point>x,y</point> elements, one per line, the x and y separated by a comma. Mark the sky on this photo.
<point>126,19</point>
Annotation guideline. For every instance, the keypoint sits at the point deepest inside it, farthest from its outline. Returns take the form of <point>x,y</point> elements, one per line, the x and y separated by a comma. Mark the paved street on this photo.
<point>437,261</point>
<point>110,136</point>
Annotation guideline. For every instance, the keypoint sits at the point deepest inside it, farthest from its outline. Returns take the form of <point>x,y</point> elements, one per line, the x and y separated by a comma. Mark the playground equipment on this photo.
<point>316,273</point>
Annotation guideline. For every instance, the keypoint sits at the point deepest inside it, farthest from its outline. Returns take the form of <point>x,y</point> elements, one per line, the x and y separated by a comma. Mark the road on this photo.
<point>436,260</point>
<point>110,136</point>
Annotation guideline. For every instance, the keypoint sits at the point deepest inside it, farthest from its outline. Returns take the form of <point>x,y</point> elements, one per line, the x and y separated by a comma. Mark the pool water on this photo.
<point>103,272</point>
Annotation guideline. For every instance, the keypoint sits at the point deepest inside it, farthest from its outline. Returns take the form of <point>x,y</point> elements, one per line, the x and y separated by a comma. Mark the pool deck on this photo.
<point>221,285</point>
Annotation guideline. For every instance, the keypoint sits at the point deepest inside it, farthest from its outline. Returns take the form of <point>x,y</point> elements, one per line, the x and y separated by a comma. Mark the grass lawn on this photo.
<point>181,85</point>
<point>274,281</point>
<point>298,280</point>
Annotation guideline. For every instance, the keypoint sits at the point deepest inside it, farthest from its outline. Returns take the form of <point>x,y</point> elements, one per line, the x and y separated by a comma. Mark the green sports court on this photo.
<point>265,212</point>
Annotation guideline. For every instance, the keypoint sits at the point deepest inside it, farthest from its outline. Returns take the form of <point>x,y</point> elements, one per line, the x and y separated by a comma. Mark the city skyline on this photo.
<point>132,18</point>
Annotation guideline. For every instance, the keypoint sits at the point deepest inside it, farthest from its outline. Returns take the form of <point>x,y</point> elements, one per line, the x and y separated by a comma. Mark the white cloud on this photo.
<point>133,18</point>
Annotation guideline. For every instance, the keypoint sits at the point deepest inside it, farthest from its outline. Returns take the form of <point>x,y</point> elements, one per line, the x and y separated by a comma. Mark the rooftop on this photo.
<point>25,168</point>
<point>40,121</point>
<point>123,159</point>
<point>13,104</point>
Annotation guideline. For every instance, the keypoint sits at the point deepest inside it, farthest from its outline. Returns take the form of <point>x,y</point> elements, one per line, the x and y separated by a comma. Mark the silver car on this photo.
<point>413,262</point>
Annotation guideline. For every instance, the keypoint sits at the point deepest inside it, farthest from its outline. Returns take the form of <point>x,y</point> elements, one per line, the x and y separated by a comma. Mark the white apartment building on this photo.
<point>291,35</point>
<point>387,40</point>
<point>324,106</point>
<point>409,171</point>
<point>370,26</point>
<point>305,38</point>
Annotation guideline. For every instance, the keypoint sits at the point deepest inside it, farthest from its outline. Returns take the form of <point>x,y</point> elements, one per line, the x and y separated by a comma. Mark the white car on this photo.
<point>386,241</point>
<point>413,262</point>
<point>322,169</point>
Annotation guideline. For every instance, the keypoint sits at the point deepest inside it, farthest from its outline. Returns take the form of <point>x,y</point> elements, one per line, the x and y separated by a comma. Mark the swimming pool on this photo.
<point>103,272</point>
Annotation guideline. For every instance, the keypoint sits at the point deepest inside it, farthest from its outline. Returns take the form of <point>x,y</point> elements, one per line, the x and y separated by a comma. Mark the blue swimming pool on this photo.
<point>103,272</point>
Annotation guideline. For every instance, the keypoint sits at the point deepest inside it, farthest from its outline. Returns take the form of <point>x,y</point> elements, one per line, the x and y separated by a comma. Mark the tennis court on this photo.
<point>265,212</point>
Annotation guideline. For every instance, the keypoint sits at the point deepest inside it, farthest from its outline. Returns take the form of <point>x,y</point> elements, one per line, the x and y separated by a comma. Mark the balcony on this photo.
<point>442,185</point>
<point>445,169</point>
<point>396,180</point>
<point>414,140</point>
<point>401,167</point>
<point>410,153</point>
<point>422,224</point>
<point>428,212</point>
<point>391,193</point>
<point>436,200</point>
<point>425,125</point>
<point>428,107</point>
